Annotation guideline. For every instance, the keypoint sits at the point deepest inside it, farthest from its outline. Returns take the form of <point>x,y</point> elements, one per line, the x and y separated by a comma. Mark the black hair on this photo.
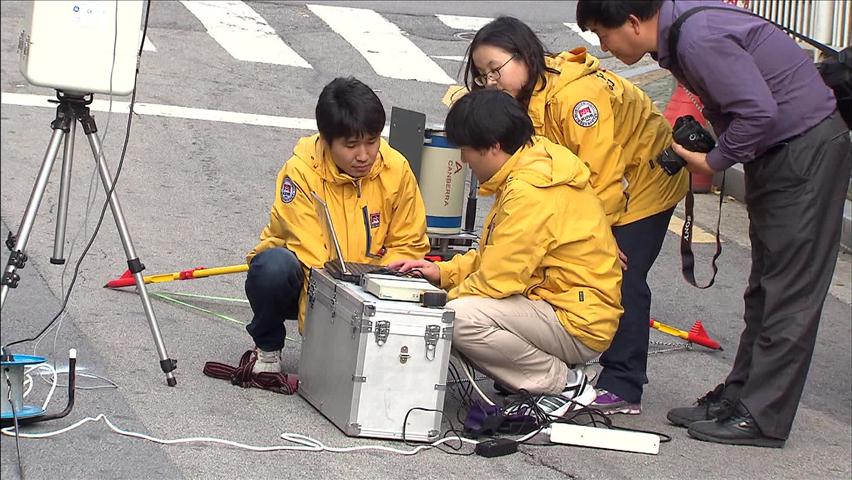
<point>348,108</point>
<point>614,13</point>
<point>517,38</point>
<point>484,118</point>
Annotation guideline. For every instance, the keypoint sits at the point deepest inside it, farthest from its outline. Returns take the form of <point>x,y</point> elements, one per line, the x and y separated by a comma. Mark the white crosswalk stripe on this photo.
<point>587,36</point>
<point>382,44</point>
<point>454,58</point>
<point>244,33</point>
<point>463,23</point>
<point>247,36</point>
<point>148,46</point>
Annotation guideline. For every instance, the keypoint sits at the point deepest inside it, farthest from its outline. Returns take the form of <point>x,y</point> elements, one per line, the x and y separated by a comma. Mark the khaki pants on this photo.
<point>518,342</point>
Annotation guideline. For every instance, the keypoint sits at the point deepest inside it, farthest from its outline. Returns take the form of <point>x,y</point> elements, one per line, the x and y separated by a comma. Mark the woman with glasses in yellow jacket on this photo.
<point>614,128</point>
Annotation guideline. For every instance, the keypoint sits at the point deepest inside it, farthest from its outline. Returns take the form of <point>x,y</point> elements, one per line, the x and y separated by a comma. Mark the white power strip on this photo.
<point>612,439</point>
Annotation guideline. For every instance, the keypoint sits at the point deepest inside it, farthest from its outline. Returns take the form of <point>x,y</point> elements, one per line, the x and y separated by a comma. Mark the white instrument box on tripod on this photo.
<point>81,46</point>
<point>371,365</point>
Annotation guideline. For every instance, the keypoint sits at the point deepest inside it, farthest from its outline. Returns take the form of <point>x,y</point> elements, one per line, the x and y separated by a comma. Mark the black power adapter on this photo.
<point>496,447</point>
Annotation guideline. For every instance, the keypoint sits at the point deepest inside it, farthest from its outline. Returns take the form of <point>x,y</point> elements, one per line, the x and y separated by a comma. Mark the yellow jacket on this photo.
<point>378,218</point>
<point>546,238</point>
<point>616,131</point>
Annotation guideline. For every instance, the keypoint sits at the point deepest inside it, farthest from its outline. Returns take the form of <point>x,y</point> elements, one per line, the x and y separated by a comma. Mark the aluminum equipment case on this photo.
<point>366,363</point>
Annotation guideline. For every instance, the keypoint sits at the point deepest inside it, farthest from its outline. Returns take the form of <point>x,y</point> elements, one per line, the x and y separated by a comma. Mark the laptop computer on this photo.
<point>339,269</point>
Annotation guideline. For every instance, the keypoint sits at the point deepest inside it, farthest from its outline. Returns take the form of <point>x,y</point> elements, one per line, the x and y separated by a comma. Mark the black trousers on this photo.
<point>794,197</point>
<point>626,360</point>
<point>273,286</point>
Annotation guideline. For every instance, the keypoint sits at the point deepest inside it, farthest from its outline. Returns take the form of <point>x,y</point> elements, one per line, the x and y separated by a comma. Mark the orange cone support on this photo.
<point>696,334</point>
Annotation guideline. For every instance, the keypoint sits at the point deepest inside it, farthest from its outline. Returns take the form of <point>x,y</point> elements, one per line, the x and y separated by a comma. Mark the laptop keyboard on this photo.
<point>361,268</point>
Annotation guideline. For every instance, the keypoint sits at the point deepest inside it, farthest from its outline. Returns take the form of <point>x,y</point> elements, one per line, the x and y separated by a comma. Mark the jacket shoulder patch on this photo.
<point>288,190</point>
<point>585,113</point>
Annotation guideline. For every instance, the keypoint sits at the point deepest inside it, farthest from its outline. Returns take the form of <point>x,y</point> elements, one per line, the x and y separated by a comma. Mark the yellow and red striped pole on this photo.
<point>696,334</point>
<point>126,280</point>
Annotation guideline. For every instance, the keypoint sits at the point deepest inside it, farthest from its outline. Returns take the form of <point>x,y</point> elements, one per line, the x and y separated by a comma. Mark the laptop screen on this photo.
<point>329,232</point>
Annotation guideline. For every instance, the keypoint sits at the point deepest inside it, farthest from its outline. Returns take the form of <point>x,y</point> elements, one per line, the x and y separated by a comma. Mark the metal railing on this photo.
<point>827,21</point>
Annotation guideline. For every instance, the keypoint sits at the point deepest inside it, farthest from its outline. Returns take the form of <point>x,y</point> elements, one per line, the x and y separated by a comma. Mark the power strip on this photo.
<point>611,439</point>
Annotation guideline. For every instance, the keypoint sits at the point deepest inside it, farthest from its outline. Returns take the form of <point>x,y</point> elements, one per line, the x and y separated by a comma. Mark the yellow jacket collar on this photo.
<point>315,153</point>
<point>493,184</point>
<point>541,164</point>
<point>571,65</point>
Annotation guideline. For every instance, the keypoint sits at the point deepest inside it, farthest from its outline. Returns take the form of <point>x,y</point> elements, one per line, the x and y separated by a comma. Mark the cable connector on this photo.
<point>496,447</point>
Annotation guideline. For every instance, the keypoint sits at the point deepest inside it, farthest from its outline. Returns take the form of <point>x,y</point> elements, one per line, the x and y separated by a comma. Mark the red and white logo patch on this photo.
<point>288,190</point>
<point>375,220</point>
<point>585,113</point>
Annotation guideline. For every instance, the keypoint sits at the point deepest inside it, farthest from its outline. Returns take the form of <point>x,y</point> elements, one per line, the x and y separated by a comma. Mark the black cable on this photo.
<point>451,429</point>
<point>108,196</point>
<point>664,438</point>
<point>465,395</point>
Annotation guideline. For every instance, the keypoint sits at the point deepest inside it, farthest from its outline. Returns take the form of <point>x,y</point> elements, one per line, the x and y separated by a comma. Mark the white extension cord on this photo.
<point>606,438</point>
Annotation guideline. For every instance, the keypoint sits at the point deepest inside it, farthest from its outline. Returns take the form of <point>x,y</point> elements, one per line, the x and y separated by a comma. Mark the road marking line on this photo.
<point>148,46</point>
<point>171,111</point>
<point>699,235</point>
<point>243,33</point>
<point>463,23</point>
<point>589,37</point>
<point>455,58</point>
<point>382,44</point>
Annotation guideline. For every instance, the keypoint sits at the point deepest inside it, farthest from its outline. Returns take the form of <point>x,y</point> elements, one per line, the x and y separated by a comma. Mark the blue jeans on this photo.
<point>273,286</point>
<point>625,362</point>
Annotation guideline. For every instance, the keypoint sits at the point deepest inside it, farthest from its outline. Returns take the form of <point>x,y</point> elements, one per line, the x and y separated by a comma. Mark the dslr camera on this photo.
<point>691,136</point>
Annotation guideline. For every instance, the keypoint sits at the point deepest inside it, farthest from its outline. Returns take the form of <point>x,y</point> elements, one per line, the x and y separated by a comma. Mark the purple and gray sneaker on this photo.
<point>610,403</point>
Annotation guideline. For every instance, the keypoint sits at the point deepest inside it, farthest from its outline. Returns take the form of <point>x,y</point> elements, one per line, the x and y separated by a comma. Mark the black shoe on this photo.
<point>737,429</point>
<point>709,407</point>
<point>501,390</point>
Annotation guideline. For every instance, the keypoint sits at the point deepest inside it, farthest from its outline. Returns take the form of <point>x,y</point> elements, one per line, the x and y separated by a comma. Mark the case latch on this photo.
<point>433,333</point>
<point>312,292</point>
<point>382,332</point>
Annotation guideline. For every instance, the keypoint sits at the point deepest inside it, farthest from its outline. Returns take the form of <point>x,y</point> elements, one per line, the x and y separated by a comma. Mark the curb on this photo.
<point>735,187</point>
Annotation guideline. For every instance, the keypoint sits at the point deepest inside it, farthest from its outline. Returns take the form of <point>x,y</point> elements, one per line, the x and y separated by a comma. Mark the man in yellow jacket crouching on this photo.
<point>373,199</point>
<point>542,293</point>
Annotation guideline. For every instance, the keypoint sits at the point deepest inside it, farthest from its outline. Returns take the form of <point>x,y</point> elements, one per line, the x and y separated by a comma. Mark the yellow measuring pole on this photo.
<point>127,280</point>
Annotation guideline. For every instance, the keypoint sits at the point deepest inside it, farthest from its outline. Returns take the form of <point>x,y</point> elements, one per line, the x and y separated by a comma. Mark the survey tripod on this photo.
<point>72,108</point>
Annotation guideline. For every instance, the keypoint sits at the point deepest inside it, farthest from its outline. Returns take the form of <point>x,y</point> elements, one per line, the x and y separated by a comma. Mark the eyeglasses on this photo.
<point>482,80</point>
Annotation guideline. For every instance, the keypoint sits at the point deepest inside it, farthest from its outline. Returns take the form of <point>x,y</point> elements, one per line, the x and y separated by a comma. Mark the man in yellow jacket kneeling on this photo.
<point>373,199</point>
<point>542,293</point>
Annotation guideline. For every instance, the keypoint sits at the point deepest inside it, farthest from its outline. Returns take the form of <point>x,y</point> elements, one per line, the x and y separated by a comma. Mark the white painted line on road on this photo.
<point>171,111</point>
<point>589,37</point>
<point>463,23</point>
<point>244,33</point>
<point>382,44</point>
<point>455,58</point>
<point>148,46</point>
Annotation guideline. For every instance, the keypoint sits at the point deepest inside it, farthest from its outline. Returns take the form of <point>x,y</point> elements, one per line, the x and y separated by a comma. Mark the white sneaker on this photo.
<point>577,394</point>
<point>267,362</point>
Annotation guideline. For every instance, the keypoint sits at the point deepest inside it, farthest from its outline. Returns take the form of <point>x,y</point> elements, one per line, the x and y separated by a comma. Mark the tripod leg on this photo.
<point>133,263</point>
<point>64,189</point>
<point>17,259</point>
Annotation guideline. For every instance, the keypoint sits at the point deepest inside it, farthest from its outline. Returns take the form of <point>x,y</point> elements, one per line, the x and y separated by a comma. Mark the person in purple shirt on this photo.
<point>772,113</point>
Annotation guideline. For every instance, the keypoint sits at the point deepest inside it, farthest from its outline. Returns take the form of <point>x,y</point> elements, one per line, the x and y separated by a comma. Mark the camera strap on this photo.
<point>686,255</point>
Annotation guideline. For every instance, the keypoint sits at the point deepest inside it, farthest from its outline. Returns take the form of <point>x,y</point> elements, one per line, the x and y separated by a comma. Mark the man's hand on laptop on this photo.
<point>425,268</point>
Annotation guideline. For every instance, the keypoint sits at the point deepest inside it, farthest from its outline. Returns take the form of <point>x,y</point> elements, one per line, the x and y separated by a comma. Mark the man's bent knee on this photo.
<point>276,267</point>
